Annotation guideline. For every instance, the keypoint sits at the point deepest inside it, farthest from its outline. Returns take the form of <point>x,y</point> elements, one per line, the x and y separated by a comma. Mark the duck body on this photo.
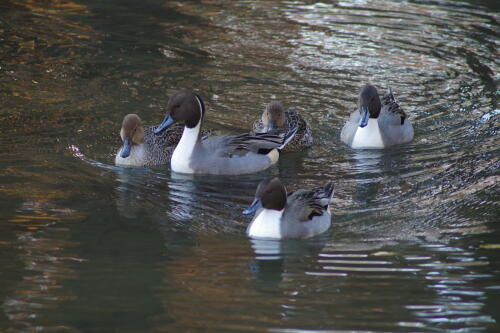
<point>275,120</point>
<point>300,214</point>
<point>368,136</point>
<point>377,124</point>
<point>217,155</point>
<point>141,147</point>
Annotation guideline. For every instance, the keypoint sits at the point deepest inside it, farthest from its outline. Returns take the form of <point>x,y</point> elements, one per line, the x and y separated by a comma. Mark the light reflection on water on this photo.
<point>85,245</point>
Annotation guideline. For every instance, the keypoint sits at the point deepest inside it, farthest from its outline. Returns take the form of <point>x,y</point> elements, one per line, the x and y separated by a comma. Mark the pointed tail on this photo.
<point>329,190</point>
<point>390,96</point>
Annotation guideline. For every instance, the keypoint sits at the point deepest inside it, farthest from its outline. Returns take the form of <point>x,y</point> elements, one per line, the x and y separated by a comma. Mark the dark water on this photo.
<point>89,247</point>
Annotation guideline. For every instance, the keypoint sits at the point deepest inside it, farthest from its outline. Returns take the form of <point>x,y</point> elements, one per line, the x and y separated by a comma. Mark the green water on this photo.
<point>89,247</point>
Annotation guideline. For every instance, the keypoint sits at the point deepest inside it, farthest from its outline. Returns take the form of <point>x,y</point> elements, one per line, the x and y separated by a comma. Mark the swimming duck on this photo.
<point>377,124</point>
<point>141,147</point>
<point>300,214</point>
<point>275,120</point>
<point>219,155</point>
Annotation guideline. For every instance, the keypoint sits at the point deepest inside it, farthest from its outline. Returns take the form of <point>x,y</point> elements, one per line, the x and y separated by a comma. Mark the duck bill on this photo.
<point>271,126</point>
<point>167,122</point>
<point>365,115</point>
<point>127,145</point>
<point>256,205</point>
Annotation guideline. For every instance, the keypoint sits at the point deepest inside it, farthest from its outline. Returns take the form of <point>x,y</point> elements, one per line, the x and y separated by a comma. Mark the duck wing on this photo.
<point>303,137</point>
<point>169,137</point>
<point>395,125</point>
<point>391,109</point>
<point>294,119</point>
<point>257,143</point>
<point>303,205</point>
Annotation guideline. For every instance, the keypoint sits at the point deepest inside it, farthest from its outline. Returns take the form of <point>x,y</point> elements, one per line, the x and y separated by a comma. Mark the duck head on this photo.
<point>270,194</point>
<point>369,104</point>
<point>273,116</point>
<point>132,132</point>
<point>183,106</point>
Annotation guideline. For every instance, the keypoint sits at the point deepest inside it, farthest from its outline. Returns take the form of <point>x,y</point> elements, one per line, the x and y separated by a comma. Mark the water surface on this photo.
<point>89,247</point>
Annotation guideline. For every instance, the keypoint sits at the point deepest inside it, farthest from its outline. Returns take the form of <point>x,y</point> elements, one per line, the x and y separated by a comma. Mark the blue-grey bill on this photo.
<point>365,115</point>
<point>167,122</point>
<point>127,145</point>
<point>271,126</point>
<point>256,204</point>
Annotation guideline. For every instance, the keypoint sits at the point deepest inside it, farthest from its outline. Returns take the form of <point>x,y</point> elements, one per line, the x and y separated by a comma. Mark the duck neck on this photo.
<point>368,136</point>
<point>191,136</point>
<point>137,156</point>
<point>267,224</point>
<point>183,152</point>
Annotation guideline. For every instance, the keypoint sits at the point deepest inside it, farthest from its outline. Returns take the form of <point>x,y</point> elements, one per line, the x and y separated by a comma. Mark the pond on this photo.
<point>86,246</point>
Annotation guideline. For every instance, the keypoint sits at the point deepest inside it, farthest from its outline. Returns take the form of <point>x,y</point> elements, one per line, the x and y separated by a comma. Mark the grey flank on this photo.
<point>235,154</point>
<point>306,212</point>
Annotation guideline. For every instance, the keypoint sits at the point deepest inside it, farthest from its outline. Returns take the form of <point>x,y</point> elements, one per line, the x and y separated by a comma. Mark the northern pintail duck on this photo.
<point>141,147</point>
<point>219,155</point>
<point>377,124</point>
<point>300,214</point>
<point>275,120</point>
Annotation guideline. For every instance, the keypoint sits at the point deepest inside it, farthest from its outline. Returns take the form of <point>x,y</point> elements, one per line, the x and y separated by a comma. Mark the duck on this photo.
<point>275,120</point>
<point>141,147</point>
<point>299,214</point>
<point>216,155</point>
<point>377,124</point>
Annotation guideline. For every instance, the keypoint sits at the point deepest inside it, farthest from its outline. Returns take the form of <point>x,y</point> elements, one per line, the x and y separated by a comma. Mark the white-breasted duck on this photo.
<point>377,124</point>
<point>219,155</point>
<point>299,214</point>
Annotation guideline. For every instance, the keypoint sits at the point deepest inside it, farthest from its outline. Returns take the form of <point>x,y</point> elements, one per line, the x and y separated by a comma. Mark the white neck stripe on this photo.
<point>200,107</point>
<point>183,152</point>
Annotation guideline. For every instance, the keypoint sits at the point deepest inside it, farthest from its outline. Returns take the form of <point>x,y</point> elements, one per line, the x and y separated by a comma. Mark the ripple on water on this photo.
<point>402,251</point>
<point>450,294</point>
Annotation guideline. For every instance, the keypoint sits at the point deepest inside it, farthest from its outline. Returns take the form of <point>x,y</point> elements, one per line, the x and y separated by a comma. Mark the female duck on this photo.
<point>300,214</point>
<point>218,155</point>
<point>377,124</point>
<point>275,120</point>
<point>141,147</point>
